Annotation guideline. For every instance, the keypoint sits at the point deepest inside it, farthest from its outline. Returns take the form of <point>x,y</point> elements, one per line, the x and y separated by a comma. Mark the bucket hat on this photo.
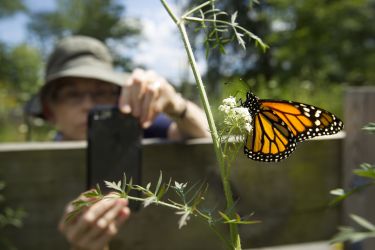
<point>76,56</point>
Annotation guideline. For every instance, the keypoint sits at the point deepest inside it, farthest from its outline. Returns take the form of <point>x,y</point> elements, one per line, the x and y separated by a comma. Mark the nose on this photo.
<point>87,102</point>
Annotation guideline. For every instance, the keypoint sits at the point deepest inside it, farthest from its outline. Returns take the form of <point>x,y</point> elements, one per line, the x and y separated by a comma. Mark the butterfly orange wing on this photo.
<point>271,139</point>
<point>305,121</point>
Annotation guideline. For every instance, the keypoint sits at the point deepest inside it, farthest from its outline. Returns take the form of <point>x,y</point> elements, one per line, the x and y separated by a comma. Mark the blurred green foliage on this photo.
<point>9,217</point>
<point>20,73</point>
<point>10,7</point>
<point>316,49</point>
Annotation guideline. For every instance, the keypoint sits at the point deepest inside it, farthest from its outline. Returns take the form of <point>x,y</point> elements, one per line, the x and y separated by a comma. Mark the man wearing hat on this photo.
<point>80,75</point>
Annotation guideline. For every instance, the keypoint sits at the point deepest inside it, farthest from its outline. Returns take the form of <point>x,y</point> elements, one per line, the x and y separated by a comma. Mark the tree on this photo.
<point>20,76</point>
<point>10,7</point>
<point>320,42</point>
<point>102,19</point>
<point>326,41</point>
<point>236,61</point>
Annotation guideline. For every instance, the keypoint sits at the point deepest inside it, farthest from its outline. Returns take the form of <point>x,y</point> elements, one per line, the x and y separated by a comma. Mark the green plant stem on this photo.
<point>162,203</point>
<point>226,157</point>
<point>169,205</point>
<point>169,10</point>
<point>211,123</point>
<point>215,137</point>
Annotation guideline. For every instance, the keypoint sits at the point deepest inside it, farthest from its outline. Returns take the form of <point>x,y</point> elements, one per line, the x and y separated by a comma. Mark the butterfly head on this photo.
<point>252,103</point>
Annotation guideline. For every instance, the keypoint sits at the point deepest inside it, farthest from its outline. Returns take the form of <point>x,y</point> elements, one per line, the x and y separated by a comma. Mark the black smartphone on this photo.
<point>114,148</point>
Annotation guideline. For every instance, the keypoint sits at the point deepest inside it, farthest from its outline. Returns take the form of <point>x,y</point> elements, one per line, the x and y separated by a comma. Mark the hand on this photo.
<point>95,227</point>
<point>146,94</point>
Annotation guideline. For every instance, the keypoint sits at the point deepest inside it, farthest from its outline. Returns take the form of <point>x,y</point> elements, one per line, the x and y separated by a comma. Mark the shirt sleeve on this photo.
<point>159,128</point>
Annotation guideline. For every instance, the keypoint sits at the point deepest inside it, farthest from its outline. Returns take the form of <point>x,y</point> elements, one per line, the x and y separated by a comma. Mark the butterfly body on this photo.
<point>279,125</point>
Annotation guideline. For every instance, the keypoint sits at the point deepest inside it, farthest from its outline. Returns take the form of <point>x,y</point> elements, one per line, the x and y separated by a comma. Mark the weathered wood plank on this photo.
<point>290,197</point>
<point>359,147</point>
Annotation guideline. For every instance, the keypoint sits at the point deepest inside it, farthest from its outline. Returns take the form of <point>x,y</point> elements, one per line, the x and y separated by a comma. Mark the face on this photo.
<point>73,101</point>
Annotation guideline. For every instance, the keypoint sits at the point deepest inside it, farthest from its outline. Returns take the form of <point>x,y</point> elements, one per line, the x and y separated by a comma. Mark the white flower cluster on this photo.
<point>235,116</point>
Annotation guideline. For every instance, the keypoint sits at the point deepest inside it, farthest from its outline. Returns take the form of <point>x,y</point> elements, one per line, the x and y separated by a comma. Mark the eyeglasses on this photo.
<point>74,97</point>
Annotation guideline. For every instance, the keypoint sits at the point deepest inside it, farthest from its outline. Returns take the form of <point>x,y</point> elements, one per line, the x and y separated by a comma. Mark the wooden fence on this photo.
<point>290,198</point>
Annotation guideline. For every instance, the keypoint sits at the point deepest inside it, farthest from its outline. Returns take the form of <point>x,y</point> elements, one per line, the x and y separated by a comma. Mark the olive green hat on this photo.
<point>81,56</point>
<point>77,56</point>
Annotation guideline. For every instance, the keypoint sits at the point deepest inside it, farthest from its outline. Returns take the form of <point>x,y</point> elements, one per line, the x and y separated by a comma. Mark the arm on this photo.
<point>190,123</point>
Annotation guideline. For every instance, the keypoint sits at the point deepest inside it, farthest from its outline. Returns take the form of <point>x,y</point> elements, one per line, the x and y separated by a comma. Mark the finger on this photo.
<point>88,218</point>
<point>136,98</point>
<point>124,100</point>
<point>138,84</point>
<point>109,217</point>
<point>152,93</point>
<point>103,239</point>
<point>151,117</point>
<point>63,223</point>
<point>148,104</point>
<point>123,215</point>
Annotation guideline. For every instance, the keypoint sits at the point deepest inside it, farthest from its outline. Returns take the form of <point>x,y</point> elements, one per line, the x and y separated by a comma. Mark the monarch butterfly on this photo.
<point>279,125</point>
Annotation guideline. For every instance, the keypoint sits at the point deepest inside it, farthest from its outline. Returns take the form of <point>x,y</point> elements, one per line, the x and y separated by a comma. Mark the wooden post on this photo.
<point>359,147</point>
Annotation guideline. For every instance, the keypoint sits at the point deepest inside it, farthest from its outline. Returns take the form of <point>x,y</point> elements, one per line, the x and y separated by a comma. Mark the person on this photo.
<point>80,75</point>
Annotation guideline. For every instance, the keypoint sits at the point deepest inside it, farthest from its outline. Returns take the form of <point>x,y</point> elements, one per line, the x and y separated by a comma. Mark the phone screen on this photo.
<point>114,148</point>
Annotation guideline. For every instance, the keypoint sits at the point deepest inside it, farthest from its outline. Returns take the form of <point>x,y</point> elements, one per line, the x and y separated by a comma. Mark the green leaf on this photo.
<point>344,234</point>
<point>337,192</point>
<point>243,222</point>
<point>224,216</point>
<point>72,215</point>
<point>123,187</point>
<point>99,190</point>
<point>159,182</point>
<point>161,192</point>
<point>129,186</point>
<point>370,128</point>
<point>92,194</point>
<point>163,189</point>
<point>238,220</point>
<point>81,203</point>
<point>221,49</point>
<point>131,182</point>
<point>363,222</point>
<point>366,170</point>
<point>349,234</point>
<point>113,185</point>
<point>233,18</point>
<point>349,193</point>
<point>216,12</point>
